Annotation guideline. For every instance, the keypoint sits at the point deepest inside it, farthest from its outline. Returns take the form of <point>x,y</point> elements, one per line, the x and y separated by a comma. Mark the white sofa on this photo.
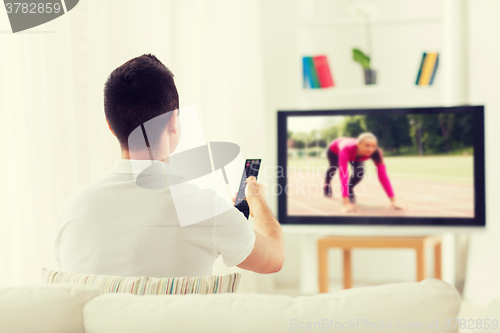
<point>72,308</point>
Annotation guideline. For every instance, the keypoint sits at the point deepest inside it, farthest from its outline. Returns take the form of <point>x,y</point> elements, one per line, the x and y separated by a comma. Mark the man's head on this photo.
<point>137,91</point>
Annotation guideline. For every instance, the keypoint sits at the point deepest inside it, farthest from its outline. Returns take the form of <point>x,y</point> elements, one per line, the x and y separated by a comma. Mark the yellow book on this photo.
<point>427,69</point>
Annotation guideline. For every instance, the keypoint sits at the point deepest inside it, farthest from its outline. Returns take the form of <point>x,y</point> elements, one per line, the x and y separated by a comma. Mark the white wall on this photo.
<point>483,275</point>
<point>54,136</point>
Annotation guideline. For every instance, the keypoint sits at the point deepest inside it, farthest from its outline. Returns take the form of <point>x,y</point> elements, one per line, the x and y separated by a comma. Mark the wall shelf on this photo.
<point>342,23</point>
<point>373,97</point>
<point>371,89</point>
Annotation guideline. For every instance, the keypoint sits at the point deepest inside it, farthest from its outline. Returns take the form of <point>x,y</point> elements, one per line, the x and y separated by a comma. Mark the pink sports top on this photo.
<point>345,149</point>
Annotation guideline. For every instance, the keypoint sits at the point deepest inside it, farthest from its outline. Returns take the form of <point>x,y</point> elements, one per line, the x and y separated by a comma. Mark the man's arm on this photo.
<point>268,254</point>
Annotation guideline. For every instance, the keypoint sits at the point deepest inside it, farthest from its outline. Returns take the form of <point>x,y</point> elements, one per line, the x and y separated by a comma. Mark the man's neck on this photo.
<point>125,154</point>
<point>140,156</point>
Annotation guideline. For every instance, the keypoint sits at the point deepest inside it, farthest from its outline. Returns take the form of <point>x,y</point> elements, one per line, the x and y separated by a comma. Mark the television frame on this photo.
<point>479,219</point>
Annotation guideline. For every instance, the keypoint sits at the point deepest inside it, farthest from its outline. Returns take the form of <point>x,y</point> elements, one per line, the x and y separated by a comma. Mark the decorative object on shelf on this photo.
<point>359,56</point>
<point>428,69</point>
<point>317,72</point>
<point>364,61</point>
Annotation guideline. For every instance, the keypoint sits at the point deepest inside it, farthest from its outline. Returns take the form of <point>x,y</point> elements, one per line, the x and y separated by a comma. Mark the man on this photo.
<point>115,227</point>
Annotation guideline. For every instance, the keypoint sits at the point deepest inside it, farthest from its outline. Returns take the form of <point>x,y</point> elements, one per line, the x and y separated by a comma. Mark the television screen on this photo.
<point>413,166</point>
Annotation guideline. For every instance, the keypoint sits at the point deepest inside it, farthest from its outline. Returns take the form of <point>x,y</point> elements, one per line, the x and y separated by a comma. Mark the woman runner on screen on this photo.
<point>355,151</point>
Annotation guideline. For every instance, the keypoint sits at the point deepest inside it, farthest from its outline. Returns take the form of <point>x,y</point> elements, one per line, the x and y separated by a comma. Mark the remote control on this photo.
<point>251,169</point>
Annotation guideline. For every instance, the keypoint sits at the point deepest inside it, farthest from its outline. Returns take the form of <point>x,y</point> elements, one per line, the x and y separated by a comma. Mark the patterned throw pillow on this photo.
<point>149,285</point>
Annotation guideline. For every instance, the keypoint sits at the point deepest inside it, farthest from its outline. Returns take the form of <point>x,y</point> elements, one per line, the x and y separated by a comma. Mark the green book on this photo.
<point>314,74</point>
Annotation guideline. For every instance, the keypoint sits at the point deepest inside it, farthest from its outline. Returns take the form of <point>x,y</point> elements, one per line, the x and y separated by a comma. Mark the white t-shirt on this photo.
<point>115,227</point>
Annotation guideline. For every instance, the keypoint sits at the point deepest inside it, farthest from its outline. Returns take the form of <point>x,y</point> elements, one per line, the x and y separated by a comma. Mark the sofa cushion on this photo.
<point>149,285</point>
<point>44,308</point>
<point>353,310</point>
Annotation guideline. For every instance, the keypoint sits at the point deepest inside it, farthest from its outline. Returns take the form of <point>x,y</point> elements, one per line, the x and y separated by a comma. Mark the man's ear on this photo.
<point>107,122</point>
<point>172,122</point>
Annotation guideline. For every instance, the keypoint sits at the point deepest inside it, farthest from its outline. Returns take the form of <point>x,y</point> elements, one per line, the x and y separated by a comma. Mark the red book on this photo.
<point>323,70</point>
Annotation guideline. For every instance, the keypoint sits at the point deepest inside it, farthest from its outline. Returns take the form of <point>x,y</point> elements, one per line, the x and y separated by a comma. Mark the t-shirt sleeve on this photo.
<point>234,238</point>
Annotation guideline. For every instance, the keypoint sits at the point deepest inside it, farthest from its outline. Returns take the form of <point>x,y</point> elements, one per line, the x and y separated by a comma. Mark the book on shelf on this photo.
<point>310,75</point>
<point>428,69</point>
<point>323,71</point>
<point>317,73</point>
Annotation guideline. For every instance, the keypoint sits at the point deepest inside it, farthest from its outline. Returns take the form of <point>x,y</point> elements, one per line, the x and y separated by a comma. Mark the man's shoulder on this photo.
<point>90,191</point>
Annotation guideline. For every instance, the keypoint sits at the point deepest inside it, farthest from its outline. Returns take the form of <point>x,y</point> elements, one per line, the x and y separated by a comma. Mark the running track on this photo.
<point>419,196</point>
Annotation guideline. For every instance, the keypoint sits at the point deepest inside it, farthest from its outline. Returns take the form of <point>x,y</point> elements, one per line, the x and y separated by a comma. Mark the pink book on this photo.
<point>323,69</point>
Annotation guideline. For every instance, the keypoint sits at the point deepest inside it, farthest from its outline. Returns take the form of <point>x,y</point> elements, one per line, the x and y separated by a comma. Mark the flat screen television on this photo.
<point>398,166</point>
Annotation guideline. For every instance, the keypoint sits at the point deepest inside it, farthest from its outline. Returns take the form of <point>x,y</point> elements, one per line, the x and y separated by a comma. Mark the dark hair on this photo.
<point>139,90</point>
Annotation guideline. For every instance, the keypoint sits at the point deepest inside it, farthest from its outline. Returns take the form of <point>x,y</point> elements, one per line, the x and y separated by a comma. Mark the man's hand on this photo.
<point>255,194</point>
<point>268,254</point>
